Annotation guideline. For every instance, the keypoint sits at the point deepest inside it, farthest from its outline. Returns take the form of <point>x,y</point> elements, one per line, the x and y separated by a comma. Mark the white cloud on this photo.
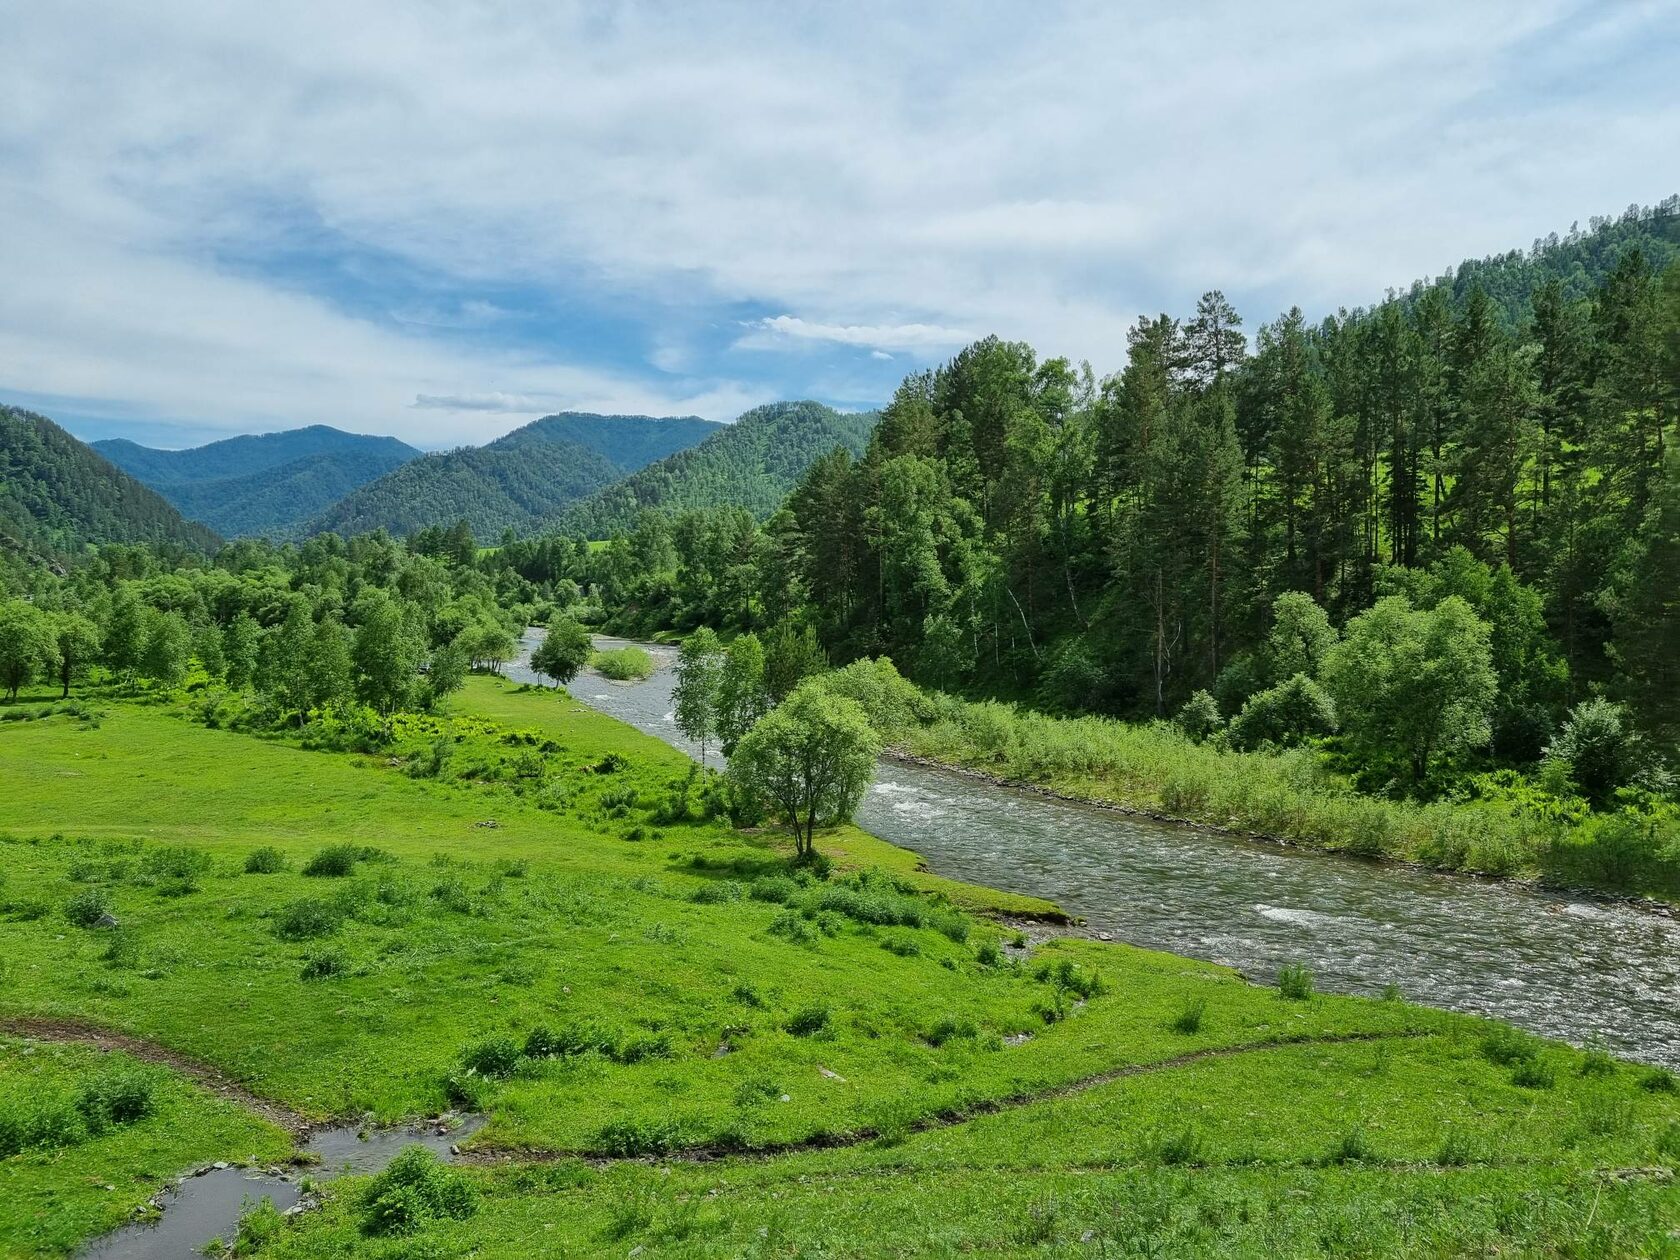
<point>849,166</point>
<point>778,330</point>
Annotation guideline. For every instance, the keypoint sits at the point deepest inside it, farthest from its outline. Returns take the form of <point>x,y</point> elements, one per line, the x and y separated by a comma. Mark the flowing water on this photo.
<point>1564,966</point>
<point>210,1204</point>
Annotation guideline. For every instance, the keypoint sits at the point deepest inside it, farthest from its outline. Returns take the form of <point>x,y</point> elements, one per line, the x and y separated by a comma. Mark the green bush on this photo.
<point>1295,982</point>
<point>414,1190</point>
<point>625,664</point>
<point>323,964</point>
<point>266,860</point>
<point>333,862</point>
<point>807,1022</point>
<point>1189,1020</point>
<point>494,1057</point>
<point>306,919</point>
<point>86,909</point>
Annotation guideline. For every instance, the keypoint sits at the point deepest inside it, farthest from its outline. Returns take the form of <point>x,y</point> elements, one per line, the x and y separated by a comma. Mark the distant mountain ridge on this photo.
<point>58,494</point>
<point>752,463</point>
<point>518,480</point>
<point>265,483</point>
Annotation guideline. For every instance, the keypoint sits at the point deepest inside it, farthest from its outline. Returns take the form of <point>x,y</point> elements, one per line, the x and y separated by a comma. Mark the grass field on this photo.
<point>869,1064</point>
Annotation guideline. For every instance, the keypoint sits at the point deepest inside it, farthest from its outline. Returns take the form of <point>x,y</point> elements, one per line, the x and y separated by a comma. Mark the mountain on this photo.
<point>58,494</point>
<point>518,480</point>
<point>1579,261</point>
<point>752,463</point>
<point>268,483</point>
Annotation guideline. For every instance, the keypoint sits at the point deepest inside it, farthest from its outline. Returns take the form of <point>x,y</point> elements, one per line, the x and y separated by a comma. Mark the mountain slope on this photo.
<point>267,483</point>
<point>517,481</point>
<point>630,442</point>
<point>491,489</point>
<point>57,494</point>
<point>243,455</point>
<point>752,463</point>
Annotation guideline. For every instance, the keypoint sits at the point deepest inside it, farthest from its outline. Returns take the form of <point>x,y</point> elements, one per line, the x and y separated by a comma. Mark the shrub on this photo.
<point>1598,1061</point>
<point>988,954</point>
<point>1189,1020</point>
<point>1506,1046</point>
<point>903,946</point>
<point>1069,977</point>
<point>1199,717</point>
<point>1295,982</point>
<point>333,862</point>
<point>1354,1147</point>
<point>949,1029</point>
<point>645,1046</point>
<point>1284,716</point>
<point>1659,1081</point>
<point>1533,1073</point>
<point>307,919</point>
<point>717,893</point>
<point>494,1057</point>
<point>630,1137</point>
<point>807,1022</point>
<point>414,1190</point>
<point>794,927</point>
<point>115,1097</point>
<point>174,870</point>
<point>266,860</point>
<point>567,1040</point>
<point>258,1226</point>
<point>322,964</point>
<point>1456,1151</point>
<point>1182,1147</point>
<point>623,664</point>
<point>87,908</point>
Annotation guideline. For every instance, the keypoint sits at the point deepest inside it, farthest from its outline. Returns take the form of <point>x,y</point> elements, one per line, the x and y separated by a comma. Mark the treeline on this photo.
<point>326,625</point>
<point>1480,506</point>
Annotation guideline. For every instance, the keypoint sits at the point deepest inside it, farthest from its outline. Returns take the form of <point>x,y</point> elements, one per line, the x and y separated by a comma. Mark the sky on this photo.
<point>440,221</point>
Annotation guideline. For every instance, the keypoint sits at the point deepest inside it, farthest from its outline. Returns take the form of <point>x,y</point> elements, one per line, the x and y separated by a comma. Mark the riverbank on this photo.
<point>1290,797</point>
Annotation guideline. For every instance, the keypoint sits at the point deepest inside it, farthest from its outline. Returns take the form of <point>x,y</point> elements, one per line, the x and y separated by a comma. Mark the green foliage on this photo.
<point>812,759</point>
<point>1284,716</point>
<point>625,664</point>
<point>1199,718</point>
<point>1295,982</point>
<point>1595,750</point>
<point>566,648</point>
<point>415,1189</point>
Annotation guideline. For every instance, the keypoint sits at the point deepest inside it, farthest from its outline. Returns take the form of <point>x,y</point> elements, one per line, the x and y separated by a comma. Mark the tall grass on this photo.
<point>1293,796</point>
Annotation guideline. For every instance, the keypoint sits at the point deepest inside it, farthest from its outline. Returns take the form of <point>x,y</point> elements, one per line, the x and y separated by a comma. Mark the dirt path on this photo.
<point>84,1032</point>
<point>945,1119</point>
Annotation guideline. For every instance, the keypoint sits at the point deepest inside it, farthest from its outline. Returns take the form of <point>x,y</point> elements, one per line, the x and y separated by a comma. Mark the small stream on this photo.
<point>209,1204</point>
<point>1563,966</point>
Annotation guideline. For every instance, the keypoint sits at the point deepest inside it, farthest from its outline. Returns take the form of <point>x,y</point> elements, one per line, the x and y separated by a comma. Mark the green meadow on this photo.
<point>684,1044</point>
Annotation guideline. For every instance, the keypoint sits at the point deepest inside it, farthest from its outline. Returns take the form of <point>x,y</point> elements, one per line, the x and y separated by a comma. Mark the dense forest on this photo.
<point>517,482</point>
<point>1429,531</point>
<point>57,495</point>
<point>261,484</point>
<point>750,464</point>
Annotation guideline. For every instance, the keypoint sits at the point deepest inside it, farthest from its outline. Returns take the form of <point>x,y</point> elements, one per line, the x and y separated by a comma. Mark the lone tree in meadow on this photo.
<point>694,698</point>
<point>564,650</point>
<point>812,759</point>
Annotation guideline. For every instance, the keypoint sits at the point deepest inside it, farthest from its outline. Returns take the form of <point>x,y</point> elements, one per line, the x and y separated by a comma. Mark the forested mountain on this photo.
<point>515,482</point>
<point>489,487</point>
<point>58,495</point>
<point>750,464</point>
<point>1578,261</point>
<point>1497,500</point>
<point>267,483</point>
<point>629,442</point>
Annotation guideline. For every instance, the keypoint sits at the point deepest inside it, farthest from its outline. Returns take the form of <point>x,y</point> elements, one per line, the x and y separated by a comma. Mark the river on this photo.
<point>1563,966</point>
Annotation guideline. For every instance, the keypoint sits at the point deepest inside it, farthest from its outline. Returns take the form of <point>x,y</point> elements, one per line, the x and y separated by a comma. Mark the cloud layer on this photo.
<point>432,221</point>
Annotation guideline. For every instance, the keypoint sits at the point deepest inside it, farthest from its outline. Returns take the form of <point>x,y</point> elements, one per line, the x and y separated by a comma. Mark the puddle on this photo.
<point>209,1205</point>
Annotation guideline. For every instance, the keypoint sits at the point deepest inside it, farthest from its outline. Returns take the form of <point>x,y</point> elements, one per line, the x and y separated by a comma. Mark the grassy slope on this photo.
<point>554,917</point>
<point>51,1199</point>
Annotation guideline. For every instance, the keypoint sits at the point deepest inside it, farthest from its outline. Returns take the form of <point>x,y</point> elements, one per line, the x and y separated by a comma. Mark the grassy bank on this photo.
<point>1291,796</point>
<point>529,909</point>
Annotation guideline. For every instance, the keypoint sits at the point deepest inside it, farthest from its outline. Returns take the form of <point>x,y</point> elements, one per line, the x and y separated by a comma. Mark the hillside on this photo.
<point>752,463</point>
<point>268,483</point>
<point>518,480</point>
<point>57,495</point>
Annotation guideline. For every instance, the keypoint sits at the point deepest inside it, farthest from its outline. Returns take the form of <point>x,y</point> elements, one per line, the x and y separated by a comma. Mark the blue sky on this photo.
<point>440,221</point>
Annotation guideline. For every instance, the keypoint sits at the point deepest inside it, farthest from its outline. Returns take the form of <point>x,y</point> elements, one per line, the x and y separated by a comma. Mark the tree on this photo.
<point>75,642</point>
<point>741,697</point>
<point>790,657</point>
<point>1412,685</point>
<point>565,650</point>
<point>240,642</point>
<point>812,759</point>
<point>168,649</point>
<point>1596,749</point>
<point>125,632</point>
<point>331,673</point>
<point>447,673</point>
<point>490,644</point>
<point>1285,716</point>
<point>1199,718</point>
<point>694,697</point>
<point>387,652</point>
<point>1300,636</point>
<point>283,661</point>
<point>25,644</point>
<point>1647,612</point>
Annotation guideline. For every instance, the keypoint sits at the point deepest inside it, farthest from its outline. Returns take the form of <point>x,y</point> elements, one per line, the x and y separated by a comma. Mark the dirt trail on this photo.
<point>946,1119</point>
<point>84,1032</point>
